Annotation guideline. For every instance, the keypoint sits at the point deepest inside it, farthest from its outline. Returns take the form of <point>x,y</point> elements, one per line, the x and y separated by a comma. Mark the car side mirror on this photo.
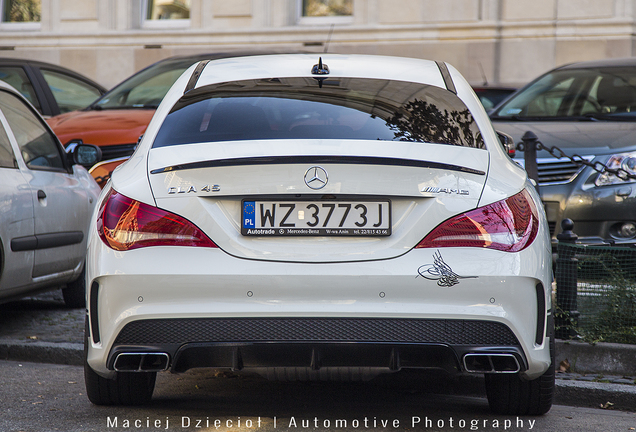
<point>86,155</point>
<point>508,143</point>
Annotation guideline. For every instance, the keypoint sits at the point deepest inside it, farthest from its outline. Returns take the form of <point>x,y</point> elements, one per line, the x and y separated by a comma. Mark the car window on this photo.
<point>145,89</point>
<point>18,79</point>
<point>37,145</point>
<point>69,92</point>
<point>7,159</point>
<point>487,102</point>
<point>151,92</point>
<point>576,93</point>
<point>548,102</point>
<point>307,108</point>
<point>491,97</point>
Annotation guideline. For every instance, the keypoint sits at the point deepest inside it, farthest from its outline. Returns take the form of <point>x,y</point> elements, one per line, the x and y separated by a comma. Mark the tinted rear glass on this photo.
<point>305,108</point>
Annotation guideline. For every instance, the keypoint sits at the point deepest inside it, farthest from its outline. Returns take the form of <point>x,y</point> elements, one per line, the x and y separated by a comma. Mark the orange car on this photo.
<point>115,121</point>
<point>101,171</point>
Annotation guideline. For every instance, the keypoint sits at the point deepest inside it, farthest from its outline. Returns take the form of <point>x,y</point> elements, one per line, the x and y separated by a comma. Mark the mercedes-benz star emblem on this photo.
<point>316,177</point>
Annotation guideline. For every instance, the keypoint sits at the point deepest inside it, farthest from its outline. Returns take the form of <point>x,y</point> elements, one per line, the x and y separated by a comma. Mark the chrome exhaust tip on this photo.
<point>141,362</point>
<point>491,363</point>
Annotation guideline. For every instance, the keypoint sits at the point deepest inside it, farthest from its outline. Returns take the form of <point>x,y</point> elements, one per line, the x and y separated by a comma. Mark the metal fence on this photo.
<point>595,292</point>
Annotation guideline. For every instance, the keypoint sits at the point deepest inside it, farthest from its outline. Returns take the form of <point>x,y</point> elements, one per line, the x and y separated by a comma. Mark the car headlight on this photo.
<point>626,161</point>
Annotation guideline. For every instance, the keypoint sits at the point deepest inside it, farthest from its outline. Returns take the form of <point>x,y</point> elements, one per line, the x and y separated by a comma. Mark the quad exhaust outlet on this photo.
<point>491,363</point>
<point>141,362</point>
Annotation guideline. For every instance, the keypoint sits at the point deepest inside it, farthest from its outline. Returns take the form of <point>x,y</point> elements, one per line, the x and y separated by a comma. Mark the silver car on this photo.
<point>588,111</point>
<point>46,199</point>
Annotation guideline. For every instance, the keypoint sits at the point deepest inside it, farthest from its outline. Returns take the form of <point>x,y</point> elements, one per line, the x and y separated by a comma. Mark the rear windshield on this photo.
<point>308,108</point>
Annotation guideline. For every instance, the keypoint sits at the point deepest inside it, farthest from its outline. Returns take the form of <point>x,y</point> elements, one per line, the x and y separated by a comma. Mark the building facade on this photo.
<point>498,41</point>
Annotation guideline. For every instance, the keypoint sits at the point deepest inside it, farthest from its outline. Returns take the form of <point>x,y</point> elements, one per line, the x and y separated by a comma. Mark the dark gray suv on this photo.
<point>586,109</point>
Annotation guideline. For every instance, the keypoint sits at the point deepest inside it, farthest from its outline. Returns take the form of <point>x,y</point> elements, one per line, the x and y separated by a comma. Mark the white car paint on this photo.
<point>356,277</point>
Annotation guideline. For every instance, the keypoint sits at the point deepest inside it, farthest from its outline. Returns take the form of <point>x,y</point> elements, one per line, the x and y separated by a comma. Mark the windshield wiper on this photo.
<point>623,117</point>
<point>534,118</point>
<point>626,117</point>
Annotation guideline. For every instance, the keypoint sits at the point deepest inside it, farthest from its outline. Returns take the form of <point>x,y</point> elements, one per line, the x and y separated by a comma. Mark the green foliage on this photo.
<point>615,320</point>
<point>606,295</point>
<point>563,323</point>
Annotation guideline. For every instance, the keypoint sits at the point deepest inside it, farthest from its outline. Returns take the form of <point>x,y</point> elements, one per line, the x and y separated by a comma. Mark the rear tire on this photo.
<point>128,388</point>
<point>75,292</point>
<point>509,394</point>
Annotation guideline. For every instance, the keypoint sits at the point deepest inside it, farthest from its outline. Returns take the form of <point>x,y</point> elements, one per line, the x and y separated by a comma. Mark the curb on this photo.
<point>600,358</point>
<point>43,352</point>
<point>620,397</point>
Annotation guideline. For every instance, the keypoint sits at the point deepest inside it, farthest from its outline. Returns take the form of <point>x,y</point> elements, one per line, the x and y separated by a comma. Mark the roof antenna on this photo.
<point>328,38</point>
<point>320,69</point>
<point>483,74</point>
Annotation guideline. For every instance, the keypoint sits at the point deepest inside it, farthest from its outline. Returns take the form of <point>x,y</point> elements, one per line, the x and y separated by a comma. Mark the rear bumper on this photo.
<point>207,308</point>
<point>316,343</point>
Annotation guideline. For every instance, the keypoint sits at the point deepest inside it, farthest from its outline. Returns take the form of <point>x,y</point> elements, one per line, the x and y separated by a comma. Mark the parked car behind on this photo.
<point>310,217</point>
<point>491,96</point>
<point>47,200</point>
<point>115,121</point>
<point>51,89</point>
<point>586,109</point>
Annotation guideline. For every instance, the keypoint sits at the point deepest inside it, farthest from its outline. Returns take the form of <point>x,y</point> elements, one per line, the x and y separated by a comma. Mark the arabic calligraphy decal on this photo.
<point>441,272</point>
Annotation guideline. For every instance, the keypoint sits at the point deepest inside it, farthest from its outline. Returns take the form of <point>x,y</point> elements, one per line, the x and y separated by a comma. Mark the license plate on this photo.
<point>316,218</point>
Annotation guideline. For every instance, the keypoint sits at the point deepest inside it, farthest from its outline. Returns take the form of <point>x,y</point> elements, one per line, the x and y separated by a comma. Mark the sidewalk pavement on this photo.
<point>41,329</point>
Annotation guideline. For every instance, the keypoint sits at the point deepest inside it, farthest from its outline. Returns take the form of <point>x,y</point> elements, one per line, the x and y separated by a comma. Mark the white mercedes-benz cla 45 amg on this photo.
<point>307,217</point>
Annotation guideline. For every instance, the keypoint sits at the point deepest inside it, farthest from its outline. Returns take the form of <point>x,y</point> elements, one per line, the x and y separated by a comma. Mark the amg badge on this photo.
<point>449,191</point>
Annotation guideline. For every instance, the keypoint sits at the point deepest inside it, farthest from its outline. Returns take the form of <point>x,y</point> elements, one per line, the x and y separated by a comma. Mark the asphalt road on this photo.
<point>44,397</point>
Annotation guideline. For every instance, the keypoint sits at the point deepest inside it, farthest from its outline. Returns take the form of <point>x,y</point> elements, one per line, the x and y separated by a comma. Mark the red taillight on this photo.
<point>125,224</point>
<point>510,225</point>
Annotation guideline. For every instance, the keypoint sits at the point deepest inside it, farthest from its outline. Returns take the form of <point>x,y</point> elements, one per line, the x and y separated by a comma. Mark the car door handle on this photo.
<point>41,195</point>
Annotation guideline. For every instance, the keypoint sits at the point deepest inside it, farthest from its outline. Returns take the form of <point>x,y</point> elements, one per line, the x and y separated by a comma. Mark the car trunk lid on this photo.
<point>424,184</point>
